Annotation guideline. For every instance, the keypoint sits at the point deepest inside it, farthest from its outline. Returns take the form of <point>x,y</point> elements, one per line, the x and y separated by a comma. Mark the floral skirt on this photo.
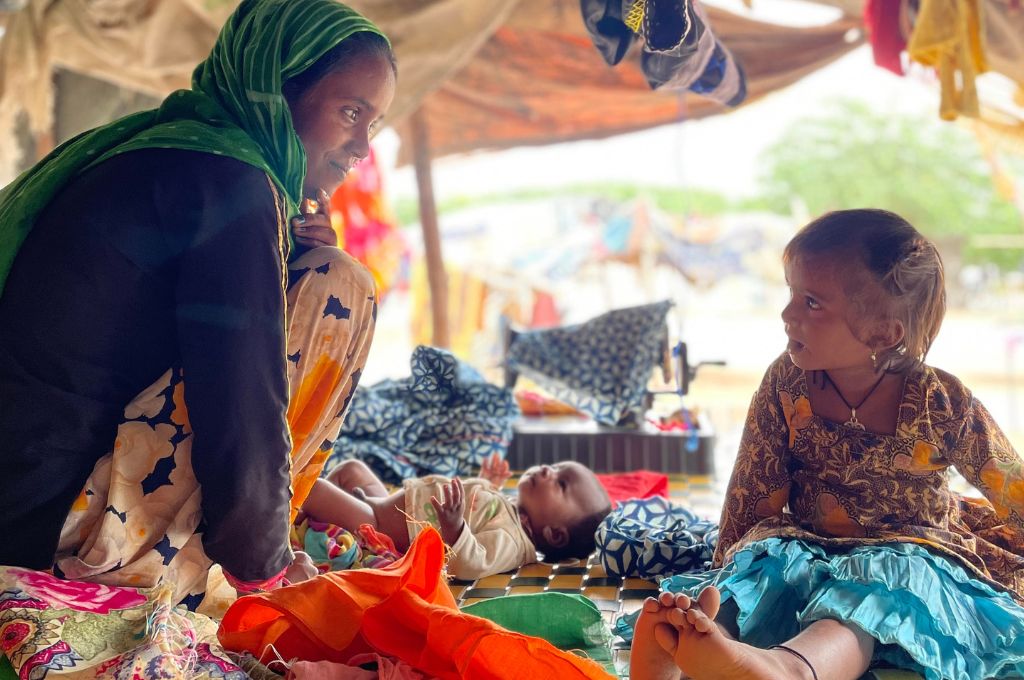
<point>928,614</point>
<point>125,529</point>
<point>52,627</point>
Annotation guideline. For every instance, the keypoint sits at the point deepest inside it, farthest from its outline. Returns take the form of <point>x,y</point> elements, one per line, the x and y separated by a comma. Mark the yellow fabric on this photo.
<point>947,36</point>
<point>1003,21</point>
<point>467,296</point>
<point>324,387</point>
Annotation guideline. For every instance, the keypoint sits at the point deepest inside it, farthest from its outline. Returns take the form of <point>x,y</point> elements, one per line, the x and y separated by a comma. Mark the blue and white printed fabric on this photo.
<point>600,367</point>
<point>652,538</point>
<point>444,419</point>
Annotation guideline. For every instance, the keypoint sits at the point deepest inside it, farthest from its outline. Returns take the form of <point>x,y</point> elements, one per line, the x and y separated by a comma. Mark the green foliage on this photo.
<point>933,174</point>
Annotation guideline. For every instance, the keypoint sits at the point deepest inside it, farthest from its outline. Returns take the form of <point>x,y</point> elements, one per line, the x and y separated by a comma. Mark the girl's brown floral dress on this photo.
<point>800,476</point>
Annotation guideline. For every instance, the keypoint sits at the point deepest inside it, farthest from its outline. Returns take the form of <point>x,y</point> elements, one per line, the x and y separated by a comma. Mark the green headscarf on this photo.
<point>235,108</point>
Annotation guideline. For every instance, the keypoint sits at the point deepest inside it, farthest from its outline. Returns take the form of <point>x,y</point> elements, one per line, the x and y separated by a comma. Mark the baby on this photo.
<point>557,511</point>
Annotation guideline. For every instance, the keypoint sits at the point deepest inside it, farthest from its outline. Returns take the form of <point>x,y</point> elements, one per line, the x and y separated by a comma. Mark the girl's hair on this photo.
<point>889,271</point>
<point>363,43</point>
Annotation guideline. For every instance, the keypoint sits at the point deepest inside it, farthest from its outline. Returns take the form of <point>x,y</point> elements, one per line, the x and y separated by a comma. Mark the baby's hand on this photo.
<point>495,470</point>
<point>312,229</point>
<point>449,510</point>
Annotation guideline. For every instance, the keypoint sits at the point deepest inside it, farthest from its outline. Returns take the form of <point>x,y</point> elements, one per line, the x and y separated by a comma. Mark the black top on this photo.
<point>154,258</point>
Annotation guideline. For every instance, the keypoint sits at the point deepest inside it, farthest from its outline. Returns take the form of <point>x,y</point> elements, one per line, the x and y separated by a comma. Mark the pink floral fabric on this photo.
<point>64,629</point>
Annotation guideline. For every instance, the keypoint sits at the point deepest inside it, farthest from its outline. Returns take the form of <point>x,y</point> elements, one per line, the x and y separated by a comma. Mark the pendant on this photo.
<point>853,422</point>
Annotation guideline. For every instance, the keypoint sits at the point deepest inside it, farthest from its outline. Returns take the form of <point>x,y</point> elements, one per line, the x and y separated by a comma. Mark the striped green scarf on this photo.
<point>235,108</point>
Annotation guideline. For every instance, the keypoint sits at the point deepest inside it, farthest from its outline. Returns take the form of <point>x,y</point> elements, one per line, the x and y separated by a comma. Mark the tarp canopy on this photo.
<point>539,79</point>
<point>488,74</point>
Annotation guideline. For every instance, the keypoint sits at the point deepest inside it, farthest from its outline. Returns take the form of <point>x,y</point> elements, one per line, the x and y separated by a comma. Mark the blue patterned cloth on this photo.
<point>928,614</point>
<point>600,367</point>
<point>651,538</point>
<point>444,419</point>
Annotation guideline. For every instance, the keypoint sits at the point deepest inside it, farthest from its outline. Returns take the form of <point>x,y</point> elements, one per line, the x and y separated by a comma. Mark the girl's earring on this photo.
<point>874,361</point>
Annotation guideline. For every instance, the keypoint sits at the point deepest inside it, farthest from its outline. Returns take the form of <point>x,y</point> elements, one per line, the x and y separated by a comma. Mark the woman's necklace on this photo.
<point>853,422</point>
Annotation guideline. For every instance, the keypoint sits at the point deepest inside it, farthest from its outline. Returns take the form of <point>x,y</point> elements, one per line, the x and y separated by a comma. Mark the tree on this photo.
<point>931,173</point>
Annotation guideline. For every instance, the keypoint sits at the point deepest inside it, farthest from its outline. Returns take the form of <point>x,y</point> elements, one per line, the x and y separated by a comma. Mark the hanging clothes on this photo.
<point>947,36</point>
<point>882,20</point>
<point>366,228</point>
<point>680,51</point>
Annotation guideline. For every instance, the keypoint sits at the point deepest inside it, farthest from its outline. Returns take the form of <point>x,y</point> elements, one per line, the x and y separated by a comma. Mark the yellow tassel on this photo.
<point>635,16</point>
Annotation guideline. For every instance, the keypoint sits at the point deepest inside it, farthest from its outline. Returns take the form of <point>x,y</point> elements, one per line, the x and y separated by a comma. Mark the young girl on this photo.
<point>841,543</point>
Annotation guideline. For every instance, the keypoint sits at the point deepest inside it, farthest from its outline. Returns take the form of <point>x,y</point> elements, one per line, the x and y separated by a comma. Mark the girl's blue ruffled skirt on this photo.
<point>927,612</point>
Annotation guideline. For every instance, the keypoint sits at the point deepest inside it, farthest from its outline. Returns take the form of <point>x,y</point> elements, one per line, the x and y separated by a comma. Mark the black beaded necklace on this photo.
<point>853,422</point>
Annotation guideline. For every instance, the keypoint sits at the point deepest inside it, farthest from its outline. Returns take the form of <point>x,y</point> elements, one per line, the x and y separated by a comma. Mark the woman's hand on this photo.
<point>449,510</point>
<point>301,568</point>
<point>495,470</point>
<point>313,229</point>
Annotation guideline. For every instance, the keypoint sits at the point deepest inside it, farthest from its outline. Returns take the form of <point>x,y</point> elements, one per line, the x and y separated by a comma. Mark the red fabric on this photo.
<point>405,611</point>
<point>545,311</point>
<point>882,20</point>
<point>366,229</point>
<point>621,486</point>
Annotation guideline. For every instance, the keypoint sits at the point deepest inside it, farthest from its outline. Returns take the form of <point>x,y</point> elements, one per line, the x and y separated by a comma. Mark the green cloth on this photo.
<point>569,621</point>
<point>235,108</point>
<point>7,671</point>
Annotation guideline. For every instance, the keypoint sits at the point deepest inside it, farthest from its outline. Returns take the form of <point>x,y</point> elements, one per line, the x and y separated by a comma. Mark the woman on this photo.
<point>173,365</point>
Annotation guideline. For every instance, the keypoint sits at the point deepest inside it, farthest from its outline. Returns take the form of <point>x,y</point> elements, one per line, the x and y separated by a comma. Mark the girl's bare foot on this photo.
<point>702,651</point>
<point>648,659</point>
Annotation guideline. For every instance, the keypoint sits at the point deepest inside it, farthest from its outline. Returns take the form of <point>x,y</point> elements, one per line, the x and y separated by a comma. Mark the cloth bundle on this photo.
<point>332,548</point>
<point>652,538</point>
<point>680,51</point>
<point>444,419</point>
<point>600,367</point>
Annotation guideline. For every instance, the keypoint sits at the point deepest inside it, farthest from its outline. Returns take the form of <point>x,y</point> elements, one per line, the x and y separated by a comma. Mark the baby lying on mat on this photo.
<point>557,511</point>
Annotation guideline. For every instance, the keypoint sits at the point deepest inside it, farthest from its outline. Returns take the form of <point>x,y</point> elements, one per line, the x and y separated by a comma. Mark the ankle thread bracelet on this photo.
<point>798,655</point>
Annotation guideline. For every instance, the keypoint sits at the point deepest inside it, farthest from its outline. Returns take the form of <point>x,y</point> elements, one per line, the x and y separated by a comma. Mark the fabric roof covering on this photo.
<point>540,80</point>
<point>488,73</point>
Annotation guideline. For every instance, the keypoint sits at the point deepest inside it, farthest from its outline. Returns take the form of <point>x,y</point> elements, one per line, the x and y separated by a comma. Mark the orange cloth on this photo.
<point>406,611</point>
